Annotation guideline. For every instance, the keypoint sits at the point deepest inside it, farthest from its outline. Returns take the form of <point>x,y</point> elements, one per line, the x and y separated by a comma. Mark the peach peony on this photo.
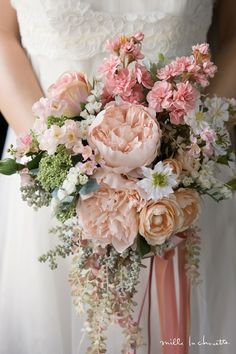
<point>109,216</point>
<point>72,88</point>
<point>159,220</point>
<point>175,165</point>
<point>127,136</point>
<point>189,201</point>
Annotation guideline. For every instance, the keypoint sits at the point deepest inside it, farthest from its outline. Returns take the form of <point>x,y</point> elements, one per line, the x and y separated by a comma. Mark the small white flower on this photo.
<point>91,98</point>
<point>83,179</point>
<point>196,119</point>
<point>217,113</point>
<point>61,194</point>
<point>84,114</point>
<point>90,108</point>
<point>69,187</point>
<point>158,182</point>
<point>187,181</point>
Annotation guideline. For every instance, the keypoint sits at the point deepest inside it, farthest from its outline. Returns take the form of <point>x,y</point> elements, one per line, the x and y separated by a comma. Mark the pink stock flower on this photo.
<point>23,144</point>
<point>108,217</point>
<point>47,107</point>
<point>177,116</point>
<point>86,152</point>
<point>121,83</point>
<point>185,96</point>
<point>143,76</point>
<point>71,133</point>
<point>110,65</point>
<point>175,68</point>
<point>137,95</point>
<point>88,167</point>
<point>209,68</point>
<point>202,48</point>
<point>139,36</point>
<point>160,96</point>
<point>51,138</point>
<point>73,88</point>
<point>208,135</point>
<point>127,136</point>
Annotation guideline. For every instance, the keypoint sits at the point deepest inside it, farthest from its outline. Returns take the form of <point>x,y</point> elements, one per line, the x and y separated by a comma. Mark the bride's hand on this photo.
<point>19,87</point>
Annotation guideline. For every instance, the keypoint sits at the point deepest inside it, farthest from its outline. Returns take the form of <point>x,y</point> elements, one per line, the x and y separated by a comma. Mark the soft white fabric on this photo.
<point>36,315</point>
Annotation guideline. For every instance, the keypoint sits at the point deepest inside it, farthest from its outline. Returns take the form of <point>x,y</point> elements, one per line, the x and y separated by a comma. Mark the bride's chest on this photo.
<point>81,28</point>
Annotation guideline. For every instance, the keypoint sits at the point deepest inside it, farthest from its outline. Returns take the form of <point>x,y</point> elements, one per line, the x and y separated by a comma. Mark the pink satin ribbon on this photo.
<point>174,320</point>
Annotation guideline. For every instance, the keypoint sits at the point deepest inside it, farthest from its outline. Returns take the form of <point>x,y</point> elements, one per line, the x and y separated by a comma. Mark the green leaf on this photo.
<point>76,159</point>
<point>34,163</point>
<point>223,160</point>
<point>10,166</point>
<point>143,247</point>
<point>161,57</point>
<point>232,184</point>
<point>89,187</point>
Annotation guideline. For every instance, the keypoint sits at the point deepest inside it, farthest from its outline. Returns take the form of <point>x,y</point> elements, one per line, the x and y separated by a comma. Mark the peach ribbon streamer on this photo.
<point>174,324</point>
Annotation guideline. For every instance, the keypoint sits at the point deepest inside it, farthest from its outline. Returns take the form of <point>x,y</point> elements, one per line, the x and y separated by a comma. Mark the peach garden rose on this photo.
<point>72,88</point>
<point>109,216</point>
<point>189,201</point>
<point>159,220</point>
<point>127,136</point>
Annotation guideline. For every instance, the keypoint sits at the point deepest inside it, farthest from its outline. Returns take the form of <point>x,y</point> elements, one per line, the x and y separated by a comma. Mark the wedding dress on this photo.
<point>36,314</point>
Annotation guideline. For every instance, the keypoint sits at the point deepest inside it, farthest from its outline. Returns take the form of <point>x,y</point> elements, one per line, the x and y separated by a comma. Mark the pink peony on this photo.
<point>160,97</point>
<point>127,136</point>
<point>109,216</point>
<point>73,88</point>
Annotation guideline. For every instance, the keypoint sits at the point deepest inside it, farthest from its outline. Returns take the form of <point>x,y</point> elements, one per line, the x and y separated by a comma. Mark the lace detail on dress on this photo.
<point>73,29</point>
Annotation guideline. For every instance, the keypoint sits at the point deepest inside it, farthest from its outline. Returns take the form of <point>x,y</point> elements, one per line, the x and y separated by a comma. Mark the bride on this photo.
<point>39,40</point>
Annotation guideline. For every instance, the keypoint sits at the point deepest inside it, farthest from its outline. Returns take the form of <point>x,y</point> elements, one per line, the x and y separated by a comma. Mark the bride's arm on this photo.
<point>224,83</point>
<point>19,87</point>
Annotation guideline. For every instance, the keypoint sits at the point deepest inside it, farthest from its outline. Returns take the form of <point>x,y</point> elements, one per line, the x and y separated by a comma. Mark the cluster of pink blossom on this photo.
<point>123,76</point>
<point>197,67</point>
<point>176,91</point>
<point>178,101</point>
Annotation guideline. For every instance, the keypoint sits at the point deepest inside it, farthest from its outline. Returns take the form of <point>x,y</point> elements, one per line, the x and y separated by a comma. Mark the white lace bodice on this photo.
<point>78,30</point>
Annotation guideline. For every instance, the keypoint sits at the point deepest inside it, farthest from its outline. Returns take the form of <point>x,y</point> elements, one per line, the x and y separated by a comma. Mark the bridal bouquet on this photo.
<point>123,162</point>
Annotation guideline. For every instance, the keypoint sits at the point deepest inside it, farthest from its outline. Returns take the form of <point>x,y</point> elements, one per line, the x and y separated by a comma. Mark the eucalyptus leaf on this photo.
<point>10,166</point>
<point>232,183</point>
<point>143,247</point>
<point>89,187</point>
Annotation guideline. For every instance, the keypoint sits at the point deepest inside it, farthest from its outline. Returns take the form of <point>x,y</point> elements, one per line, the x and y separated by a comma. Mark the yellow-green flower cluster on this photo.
<point>53,169</point>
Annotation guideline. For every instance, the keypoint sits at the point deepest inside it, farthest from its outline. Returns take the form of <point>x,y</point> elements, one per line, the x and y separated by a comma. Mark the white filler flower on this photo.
<point>159,182</point>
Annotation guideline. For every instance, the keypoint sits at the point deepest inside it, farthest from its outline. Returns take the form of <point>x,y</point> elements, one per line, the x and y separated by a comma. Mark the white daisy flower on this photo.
<point>217,112</point>
<point>196,119</point>
<point>159,182</point>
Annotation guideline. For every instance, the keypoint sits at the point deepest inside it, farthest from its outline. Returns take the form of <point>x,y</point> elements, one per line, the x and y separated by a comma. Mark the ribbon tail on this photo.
<point>184,302</point>
<point>165,282</point>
